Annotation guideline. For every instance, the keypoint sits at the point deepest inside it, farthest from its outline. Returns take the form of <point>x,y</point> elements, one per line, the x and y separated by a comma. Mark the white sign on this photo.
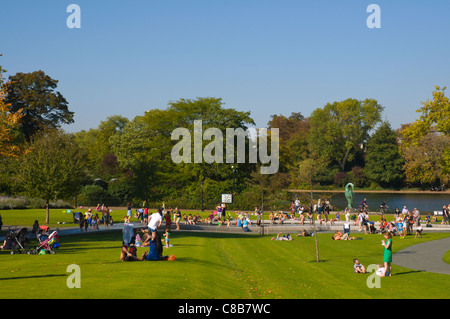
<point>227,198</point>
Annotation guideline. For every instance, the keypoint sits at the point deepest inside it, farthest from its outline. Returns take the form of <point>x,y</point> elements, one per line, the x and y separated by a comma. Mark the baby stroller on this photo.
<point>47,243</point>
<point>19,240</point>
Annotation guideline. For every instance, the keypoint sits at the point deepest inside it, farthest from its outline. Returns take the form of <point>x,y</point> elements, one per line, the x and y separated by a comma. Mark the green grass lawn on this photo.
<point>217,265</point>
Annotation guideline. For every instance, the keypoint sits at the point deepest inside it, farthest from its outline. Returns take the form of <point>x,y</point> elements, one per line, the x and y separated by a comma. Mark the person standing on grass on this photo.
<point>154,222</point>
<point>177,217</point>
<point>105,215</point>
<point>82,221</point>
<point>445,215</point>
<point>387,257</point>
<point>129,211</point>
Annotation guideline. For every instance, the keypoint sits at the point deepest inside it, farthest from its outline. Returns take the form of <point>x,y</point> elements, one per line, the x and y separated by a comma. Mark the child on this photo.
<point>167,237</point>
<point>401,229</point>
<point>418,232</point>
<point>357,267</point>
<point>381,271</point>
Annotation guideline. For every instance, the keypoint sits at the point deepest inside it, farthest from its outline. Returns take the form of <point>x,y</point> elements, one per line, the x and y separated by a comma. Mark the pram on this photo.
<point>19,240</point>
<point>46,242</point>
<point>129,234</point>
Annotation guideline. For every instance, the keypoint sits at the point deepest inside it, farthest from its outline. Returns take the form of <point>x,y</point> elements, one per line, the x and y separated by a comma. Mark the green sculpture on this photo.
<point>349,191</point>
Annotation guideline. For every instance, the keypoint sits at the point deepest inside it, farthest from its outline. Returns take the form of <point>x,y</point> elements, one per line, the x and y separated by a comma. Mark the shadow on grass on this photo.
<point>407,272</point>
<point>76,243</point>
<point>32,277</point>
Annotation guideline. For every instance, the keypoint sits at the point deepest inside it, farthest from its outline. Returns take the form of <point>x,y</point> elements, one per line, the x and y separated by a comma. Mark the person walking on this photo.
<point>387,256</point>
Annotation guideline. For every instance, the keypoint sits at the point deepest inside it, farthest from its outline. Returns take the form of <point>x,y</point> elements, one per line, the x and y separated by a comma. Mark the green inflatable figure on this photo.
<point>349,191</point>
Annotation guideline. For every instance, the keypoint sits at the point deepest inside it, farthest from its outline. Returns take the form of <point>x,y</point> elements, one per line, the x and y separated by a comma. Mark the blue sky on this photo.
<point>267,57</point>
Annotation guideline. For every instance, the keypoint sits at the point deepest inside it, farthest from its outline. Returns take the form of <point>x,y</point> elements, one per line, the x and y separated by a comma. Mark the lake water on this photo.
<point>425,202</point>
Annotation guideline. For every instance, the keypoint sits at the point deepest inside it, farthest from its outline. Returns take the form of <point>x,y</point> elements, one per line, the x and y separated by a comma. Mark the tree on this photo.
<point>55,168</point>
<point>293,135</point>
<point>384,164</point>
<point>307,173</point>
<point>102,161</point>
<point>424,162</point>
<point>33,96</point>
<point>9,124</point>
<point>435,117</point>
<point>339,128</point>
<point>144,147</point>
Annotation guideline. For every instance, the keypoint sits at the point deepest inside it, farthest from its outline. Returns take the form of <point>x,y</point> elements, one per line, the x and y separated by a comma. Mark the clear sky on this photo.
<point>267,57</point>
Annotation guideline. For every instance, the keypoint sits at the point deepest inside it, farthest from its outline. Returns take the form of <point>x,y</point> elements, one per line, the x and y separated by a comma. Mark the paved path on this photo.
<point>425,257</point>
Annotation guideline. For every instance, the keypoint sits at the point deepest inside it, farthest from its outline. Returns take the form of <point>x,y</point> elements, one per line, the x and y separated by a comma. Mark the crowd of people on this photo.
<point>92,219</point>
<point>403,224</point>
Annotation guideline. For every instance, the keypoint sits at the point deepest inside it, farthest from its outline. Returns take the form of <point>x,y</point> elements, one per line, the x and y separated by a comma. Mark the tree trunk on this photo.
<point>47,216</point>
<point>344,161</point>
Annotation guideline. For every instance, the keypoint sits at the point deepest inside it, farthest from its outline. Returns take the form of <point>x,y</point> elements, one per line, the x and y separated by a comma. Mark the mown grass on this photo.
<point>218,265</point>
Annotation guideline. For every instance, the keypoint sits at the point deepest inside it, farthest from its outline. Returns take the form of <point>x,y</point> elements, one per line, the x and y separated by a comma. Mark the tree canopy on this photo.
<point>33,96</point>
<point>340,128</point>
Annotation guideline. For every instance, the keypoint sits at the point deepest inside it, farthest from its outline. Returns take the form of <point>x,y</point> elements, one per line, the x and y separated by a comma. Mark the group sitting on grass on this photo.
<point>155,252</point>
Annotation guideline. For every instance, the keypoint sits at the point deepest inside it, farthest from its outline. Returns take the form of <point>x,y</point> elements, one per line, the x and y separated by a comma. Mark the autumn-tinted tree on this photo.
<point>33,96</point>
<point>434,117</point>
<point>293,134</point>
<point>9,124</point>
<point>424,162</point>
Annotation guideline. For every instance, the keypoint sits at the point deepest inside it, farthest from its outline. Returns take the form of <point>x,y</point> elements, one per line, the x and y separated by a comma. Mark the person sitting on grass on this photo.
<point>339,236</point>
<point>7,243</point>
<point>155,250</point>
<point>129,255</point>
<point>357,267</point>
<point>286,237</point>
<point>304,233</point>
<point>381,271</point>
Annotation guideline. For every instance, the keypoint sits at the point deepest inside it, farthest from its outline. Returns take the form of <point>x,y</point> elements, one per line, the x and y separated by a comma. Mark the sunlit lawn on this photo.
<point>218,265</point>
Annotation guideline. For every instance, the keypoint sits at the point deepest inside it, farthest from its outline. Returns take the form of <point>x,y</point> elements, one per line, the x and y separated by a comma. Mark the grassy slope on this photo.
<point>217,266</point>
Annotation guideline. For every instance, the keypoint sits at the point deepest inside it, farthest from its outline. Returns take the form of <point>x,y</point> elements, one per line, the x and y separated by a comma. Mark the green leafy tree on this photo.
<point>102,162</point>
<point>54,169</point>
<point>33,95</point>
<point>384,163</point>
<point>339,128</point>
<point>144,147</point>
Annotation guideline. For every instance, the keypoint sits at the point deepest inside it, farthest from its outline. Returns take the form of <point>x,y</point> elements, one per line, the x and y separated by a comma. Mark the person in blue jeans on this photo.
<point>155,250</point>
